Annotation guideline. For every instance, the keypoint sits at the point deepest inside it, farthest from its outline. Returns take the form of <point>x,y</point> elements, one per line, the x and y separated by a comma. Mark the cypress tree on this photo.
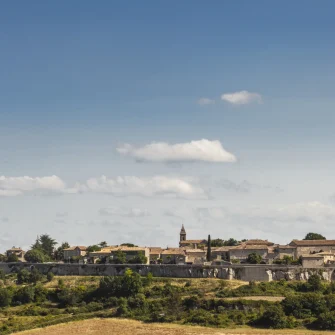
<point>209,249</point>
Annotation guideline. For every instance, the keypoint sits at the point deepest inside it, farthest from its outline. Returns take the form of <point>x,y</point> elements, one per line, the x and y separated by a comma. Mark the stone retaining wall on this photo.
<point>240,272</point>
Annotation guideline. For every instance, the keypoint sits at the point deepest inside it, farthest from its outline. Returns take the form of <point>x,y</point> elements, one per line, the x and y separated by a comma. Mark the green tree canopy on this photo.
<point>218,242</point>
<point>45,244</point>
<point>138,259</point>
<point>231,242</point>
<point>128,245</point>
<point>59,253</point>
<point>314,236</point>
<point>36,256</point>
<point>119,257</point>
<point>92,248</point>
<point>12,258</point>
<point>103,244</point>
<point>254,258</point>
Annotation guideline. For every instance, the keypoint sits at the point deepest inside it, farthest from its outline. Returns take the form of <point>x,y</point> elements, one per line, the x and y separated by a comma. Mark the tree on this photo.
<point>103,244</point>
<point>314,282</point>
<point>230,243</point>
<point>12,258</point>
<point>92,248</point>
<point>218,242</point>
<point>36,256</point>
<point>5,297</point>
<point>209,249</point>
<point>121,286</point>
<point>45,244</point>
<point>254,258</point>
<point>314,236</point>
<point>138,259</point>
<point>59,253</point>
<point>119,257</point>
<point>131,245</point>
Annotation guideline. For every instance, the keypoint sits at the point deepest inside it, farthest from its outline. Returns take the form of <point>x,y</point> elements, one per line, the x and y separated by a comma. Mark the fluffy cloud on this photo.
<point>202,150</point>
<point>144,186</point>
<point>125,212</point>
<point>205,101</point>
<point>13,186</point>
<point>242,98</point>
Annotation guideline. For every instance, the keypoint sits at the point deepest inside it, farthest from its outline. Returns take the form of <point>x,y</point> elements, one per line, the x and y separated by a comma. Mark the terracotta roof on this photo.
<point>173,251</point>
<point>249,247</point>
<point>258,242</point>
<point>188,251</point>
<point>220,249</point>
<point>192,241</point>
<point>75,247</point>
<point>313,243</point>
<point>124,248</point>
<point>15,249</point>
<point>155,250</point>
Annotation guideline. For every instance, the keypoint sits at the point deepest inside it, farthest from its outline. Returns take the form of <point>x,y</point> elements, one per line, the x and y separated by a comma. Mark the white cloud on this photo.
<point>205,101</point>
<point>13,186</point>
<point>125,212</point>
<point>242,98</point>
<point>172,187</point>
<point>202,150</point>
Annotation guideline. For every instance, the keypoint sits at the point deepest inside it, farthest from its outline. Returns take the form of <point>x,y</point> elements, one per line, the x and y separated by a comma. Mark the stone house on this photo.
<point>109,252</point>
<point>76,251</point>
<point>285,250</point>
<point>16,251</point>
<point>173,256</point>
<point>132,252</point>
<point>220,253</point>
<point>155,254</point>
<point>308,247</point>
<point>241,252</point>
<point>195,256</point>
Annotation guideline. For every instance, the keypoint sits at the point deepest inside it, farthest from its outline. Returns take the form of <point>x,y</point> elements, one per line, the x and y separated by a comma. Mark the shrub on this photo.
<point>23,276</point>
<point>24,295</point>
<point>325,321</point>
<point>5,297</point>
<point>273,317</point>
<point>121,286</point>
<point>50,276</point>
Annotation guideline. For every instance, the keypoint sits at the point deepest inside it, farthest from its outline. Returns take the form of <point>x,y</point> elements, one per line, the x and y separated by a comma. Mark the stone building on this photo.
<point>308,247</point>
<point>16,251</point>
<point>76,251</point>
<point>155,254</point>
<point>185,243</point>
<point>173,256</point>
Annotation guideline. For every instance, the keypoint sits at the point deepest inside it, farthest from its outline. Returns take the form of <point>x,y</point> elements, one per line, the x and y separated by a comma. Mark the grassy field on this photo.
<point>130,327</point>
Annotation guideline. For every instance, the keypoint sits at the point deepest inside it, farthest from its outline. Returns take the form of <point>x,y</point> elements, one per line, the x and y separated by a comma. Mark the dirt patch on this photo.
<point>131,327</point>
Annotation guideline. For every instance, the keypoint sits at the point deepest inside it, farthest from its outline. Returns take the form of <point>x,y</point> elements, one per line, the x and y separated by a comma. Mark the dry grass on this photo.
<point>261,297</point>
<point>130,327</point>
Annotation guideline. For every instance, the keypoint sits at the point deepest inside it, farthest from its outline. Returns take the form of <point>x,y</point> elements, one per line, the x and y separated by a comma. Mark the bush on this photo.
<point>5,297</point>
<point>23,276</point>
<point>121,286</point>
<point>50,276</point>
<point>24,295</point>
<point>273,317</point>
<point>325,321</point>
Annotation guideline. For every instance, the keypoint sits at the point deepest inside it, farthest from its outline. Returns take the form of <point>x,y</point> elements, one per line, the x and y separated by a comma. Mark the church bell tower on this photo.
<point>182,234</point>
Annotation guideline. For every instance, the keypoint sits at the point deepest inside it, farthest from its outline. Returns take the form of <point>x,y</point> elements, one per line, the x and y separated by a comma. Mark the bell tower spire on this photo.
<point>182,234</point>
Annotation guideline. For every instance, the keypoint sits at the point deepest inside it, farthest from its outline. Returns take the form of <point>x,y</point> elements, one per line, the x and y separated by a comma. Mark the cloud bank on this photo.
<point>205,101</point>
<point>125,212</point>
<point>242,98</point>
<point>13,186</point>
<point>195,151</point>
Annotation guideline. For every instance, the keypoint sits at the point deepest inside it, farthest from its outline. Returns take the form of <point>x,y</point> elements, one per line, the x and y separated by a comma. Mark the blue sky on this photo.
<point>79,80</point>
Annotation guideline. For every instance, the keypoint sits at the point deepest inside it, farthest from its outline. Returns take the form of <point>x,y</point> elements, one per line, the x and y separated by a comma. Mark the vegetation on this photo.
<point>209,249</point>
<point>30,299</point>
<point>314,236</point>
<point>254,258</point>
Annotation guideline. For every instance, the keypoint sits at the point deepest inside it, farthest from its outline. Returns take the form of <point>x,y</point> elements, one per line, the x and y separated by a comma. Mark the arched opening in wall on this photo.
<point>333,276</point>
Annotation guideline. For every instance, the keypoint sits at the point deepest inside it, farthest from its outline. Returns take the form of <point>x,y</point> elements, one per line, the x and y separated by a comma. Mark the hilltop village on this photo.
<point>308,253</point>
